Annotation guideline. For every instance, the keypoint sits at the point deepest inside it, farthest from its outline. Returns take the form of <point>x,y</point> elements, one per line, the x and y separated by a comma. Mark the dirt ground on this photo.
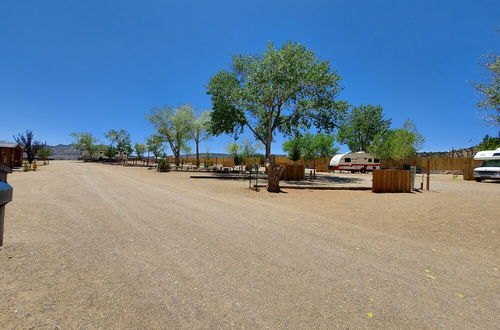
<point>102,246</point>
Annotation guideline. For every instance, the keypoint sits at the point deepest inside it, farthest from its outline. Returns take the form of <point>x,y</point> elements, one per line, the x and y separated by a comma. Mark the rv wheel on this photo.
<point>479,179</point>
<point>363,170</point>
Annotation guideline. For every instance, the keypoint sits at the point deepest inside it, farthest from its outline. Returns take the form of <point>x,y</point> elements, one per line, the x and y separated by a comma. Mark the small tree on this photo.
<point>155,145</point>
<point>310,146</point>
<point>233,149</point>
<point>490,91</point>
<point>200,132</point>
<point>363,124</point>
<point>187,150</point>
<point>140,149</point>
<point>399,143</point>
<point>86,143</point>
<point>489,143</point>
<point>293,148</point>
<point>29,145</point>
<point>280,91</point>
<point>174,125</point>
<point>110,152</point>
<point>120,140</point>
<point>249,148</point>
<point>44,153</point>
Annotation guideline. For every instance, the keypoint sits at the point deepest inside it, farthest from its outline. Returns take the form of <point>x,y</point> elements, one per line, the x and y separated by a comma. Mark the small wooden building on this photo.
<point>11,154</point>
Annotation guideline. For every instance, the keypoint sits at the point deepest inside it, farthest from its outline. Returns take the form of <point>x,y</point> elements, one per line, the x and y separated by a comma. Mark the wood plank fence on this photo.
<point>391,181</point>
<point>292,173</point>
<point>321,164</point>
<point>436,164</point>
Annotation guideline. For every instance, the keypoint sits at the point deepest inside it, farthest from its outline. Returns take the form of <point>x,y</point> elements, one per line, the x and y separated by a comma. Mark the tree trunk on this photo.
<point>177,158</point>
<point>268,150</point>
<point>197,155</point>
<point>273,174</point>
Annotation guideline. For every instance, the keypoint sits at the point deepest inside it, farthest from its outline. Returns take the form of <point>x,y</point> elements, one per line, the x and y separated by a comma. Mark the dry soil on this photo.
<point>102,246</point>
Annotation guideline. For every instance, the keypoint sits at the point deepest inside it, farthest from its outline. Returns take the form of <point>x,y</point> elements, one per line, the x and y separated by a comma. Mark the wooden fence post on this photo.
<point>428,173</point>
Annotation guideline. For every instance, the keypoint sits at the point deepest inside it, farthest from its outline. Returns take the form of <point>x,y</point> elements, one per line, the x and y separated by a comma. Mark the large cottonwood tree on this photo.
<point>281,91</point>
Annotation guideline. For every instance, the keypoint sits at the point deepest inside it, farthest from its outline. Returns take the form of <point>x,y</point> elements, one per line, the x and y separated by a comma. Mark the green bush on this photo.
<point>163,165</point>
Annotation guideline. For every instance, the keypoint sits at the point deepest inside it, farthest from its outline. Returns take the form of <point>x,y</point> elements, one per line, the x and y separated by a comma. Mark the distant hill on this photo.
<point>64,152</point>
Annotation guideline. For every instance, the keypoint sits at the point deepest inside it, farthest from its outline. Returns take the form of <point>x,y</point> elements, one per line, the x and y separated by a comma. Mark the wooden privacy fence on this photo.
<point>469,173</point>
<point>321,164</point>
<point>292,173</point>
<point>436,164</point>
<point>391,181</point>
<point>215,161</point>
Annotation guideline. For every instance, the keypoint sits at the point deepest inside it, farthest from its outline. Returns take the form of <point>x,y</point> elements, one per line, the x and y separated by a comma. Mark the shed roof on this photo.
<point>8,145</point>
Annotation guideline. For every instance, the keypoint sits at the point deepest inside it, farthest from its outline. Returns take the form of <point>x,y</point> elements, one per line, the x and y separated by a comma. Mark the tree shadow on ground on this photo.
<point>325,180</point>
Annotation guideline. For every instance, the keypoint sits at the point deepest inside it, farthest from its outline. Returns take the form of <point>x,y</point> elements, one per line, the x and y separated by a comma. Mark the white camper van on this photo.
<point>354,162</point>
<point>490,169</point>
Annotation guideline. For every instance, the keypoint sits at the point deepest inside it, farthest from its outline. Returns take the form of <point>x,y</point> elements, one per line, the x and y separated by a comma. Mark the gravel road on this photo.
<point>102,246</point>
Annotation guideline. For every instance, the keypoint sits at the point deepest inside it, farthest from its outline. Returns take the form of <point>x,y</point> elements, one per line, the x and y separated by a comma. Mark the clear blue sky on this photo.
<point>82,66</point>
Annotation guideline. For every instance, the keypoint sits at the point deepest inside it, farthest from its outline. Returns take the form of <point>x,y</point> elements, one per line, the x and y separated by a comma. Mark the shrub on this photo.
<point>163,165</point>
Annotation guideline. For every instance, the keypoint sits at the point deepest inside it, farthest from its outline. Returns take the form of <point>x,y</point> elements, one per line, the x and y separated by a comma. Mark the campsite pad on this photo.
<point>322,181</point>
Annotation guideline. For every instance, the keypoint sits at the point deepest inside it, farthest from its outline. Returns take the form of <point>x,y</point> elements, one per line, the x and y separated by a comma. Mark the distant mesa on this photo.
<point>65,152</point>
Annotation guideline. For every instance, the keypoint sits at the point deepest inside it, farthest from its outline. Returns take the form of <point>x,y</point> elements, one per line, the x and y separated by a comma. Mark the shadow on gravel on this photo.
<point>326,180</point>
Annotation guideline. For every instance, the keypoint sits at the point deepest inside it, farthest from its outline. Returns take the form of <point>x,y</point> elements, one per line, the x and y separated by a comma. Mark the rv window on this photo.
<point>491,163</point>
<point>369,160</point>
<point>377,160</point>
<point>496,154</point>
<point>347,160</point>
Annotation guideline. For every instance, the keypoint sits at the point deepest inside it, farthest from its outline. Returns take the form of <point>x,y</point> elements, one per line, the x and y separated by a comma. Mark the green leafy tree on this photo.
<point>29,145</point>
<point>140,149</point>
<point>310,146</point>
<point>120,140</point>
<point>489,143</point>
<point>233,149</point>
<point>293,148</point>
<point>86,143</point>
<point>323,145</point>
<point>362,126</point>
<point>249,148</point>
<point>155,145</point>
<point>174,125</point>
<point>490,91</point>
<point>44,153</point>
<point>110,152</point>
<point>399,143</point>
<point>281,91</point>
<point>200,132</point>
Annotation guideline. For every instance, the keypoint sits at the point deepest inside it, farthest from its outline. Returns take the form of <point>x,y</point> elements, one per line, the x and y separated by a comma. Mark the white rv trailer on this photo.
<point>354,162</point>
<point>100,155</point>
<point>490,169</point>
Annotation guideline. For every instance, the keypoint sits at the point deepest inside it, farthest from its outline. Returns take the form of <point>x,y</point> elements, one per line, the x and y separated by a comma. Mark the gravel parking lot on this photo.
<point>102,246</point>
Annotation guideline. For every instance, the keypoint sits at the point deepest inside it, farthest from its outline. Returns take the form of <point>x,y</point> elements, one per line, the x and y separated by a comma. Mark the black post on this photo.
<point>5,196</point>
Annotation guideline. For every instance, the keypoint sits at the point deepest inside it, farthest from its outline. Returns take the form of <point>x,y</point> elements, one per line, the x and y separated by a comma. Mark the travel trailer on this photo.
<point>100,155</point>
<point>490,169</point>
<point>354,162</point>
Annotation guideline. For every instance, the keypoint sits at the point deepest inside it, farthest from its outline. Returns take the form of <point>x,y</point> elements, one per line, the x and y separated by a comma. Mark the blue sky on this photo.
<point>90,66</point>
